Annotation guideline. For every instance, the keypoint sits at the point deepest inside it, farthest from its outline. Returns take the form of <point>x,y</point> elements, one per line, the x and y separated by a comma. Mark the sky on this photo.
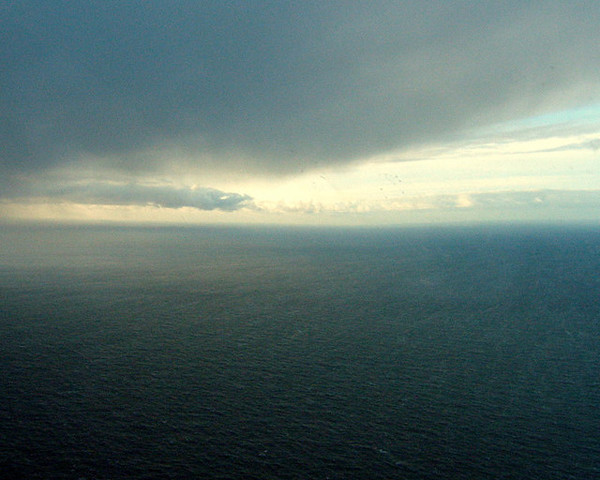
<point>312,112</point>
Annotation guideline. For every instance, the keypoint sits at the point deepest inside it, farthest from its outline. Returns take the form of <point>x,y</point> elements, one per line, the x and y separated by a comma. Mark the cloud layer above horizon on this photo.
<point>239,89</point>
<point>111,193</point>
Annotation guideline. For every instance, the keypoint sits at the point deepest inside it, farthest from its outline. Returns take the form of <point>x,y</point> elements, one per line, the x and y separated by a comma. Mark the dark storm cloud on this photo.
<point>106,193</point>
<point>283,85</point>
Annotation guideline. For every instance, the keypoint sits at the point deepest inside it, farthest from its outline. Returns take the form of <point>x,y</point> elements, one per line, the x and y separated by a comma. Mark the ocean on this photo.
<point>299,353</point>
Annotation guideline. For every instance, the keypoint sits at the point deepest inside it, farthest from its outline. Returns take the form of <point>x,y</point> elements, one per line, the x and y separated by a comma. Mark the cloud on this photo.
<point>276,87</point>
<point>464,201</point>
<point>105,193</point>
<point>593,145</point>
<point>510,202</point>
<point>514,200</point>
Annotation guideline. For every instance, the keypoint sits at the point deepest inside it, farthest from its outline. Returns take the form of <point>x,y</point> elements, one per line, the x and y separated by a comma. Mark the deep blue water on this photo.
<point>425,353</point>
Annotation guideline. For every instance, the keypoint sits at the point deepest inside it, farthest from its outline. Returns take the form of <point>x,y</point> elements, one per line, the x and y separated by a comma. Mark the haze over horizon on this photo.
<point>300,113</point>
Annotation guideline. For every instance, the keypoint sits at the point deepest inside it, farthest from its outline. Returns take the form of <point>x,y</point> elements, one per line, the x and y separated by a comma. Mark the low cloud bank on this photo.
<point>106,193</point>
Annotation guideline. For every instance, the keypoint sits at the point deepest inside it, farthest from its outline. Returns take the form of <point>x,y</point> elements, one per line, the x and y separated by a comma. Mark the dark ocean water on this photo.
<point>294,354</point>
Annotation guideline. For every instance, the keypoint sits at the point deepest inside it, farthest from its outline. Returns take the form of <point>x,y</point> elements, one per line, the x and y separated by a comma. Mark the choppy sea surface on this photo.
<point>273,353</point>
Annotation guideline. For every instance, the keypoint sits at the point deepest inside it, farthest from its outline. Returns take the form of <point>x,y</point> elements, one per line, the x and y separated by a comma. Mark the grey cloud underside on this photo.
<point>283,85</point>
<point>140,195</point>
<point>593,145</point>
